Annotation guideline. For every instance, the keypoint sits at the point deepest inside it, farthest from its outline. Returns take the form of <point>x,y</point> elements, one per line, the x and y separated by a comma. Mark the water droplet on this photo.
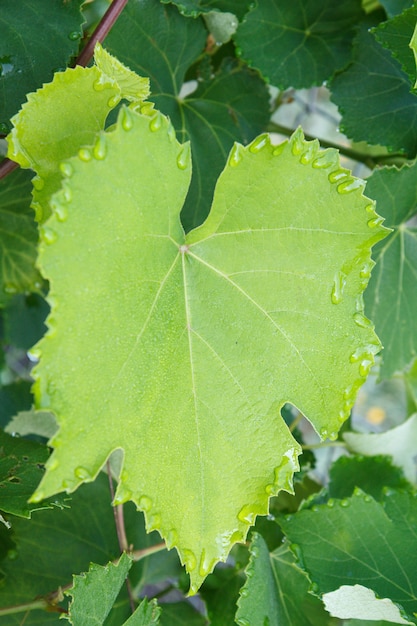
<point>324,433</point>
<point>47,235</point>
<point>66,169</point>
<point>206,565</point>
<point>243,594</point>
<point>247,515</point>
<point>368,498</point>
<point>375,222</point>
<point>100,148</point>
<point>61,212</point>
<point>190,560</point>
<point>309,154</point>
<point>155,123</point>
<point>351,184</point>
<point>338,175</point>
<point>236,154</point>
<point>370,208</point>
<point>127,119</point>
<point>295,548</point>
<point>153,522</point>
<point>171,539</point>
<point>12,554</point>
<point>82,473</point>
<point>113,101</point>
<point>184,157</point>
<point>85,154</point>
<point>280,148</point>
<point>330,503</point>
<point>297,143</point>
<point>271,490</point>
<point>362,321</point>
<point>193,589</point>
<point>10,288</point>
<point>74,35</point>
<point>241,621</point>
<point>123,494</point>
<point>52,464</point>
<point>365,367</point>
<point>67,194</point>
<point>333,436</point>
<point>145,503</point>
<point>338,287</point>
<point>146,108</point>
<point>343,415</point>
<point>38,183</point>
<point>171,132</point>
<point>38,496</point>
<point>259,143</point>
<point>345,503</point>
<point>326,159</point>
<point>366,270</point>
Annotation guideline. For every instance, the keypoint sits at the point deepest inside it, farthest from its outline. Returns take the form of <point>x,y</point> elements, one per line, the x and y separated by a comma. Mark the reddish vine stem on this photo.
<point>101,31</point>
<point>121,533</point>
<point>7,167</point>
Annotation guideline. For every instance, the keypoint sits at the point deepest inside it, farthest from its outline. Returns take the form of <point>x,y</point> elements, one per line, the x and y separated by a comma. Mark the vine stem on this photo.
<point>324,444</point>
<point>101,31</point>
<point>7,167</point>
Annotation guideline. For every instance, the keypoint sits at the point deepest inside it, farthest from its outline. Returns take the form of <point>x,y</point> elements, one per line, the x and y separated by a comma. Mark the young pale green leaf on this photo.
<point>64,115</point>
<point>413,46</point>
<point>18,237</point>
<point>36,38</point>
<point>368,543</point>
<point>391,297</point>
<point>277,591</point>
<point>94,593</point>
<point>32,422</point>
<point>209,334</point>
<point>395,34</point>
<point>373,96</point>
<point>399,443</point>
<point>298,44</point>
<point>156,41</point>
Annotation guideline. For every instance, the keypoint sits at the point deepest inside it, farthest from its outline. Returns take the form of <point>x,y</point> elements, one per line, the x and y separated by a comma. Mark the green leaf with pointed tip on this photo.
<point>395,34</point>
<point>193,8</point>
<point>394,7</point>
<point>18,237</point>
<point>398,442</point>
<point>391,298</point>
<point>298,44</point>
<point>373,96</point>
<point>147,614</point>
<point>231,104</point>
<point>260,306</point>
<point>277,591</point>
<point>413,46</point>
<point>21,468</point>
<point>94,593</point>
<point>368,543</point>
<point>66,114</point>
<point>36,38</point>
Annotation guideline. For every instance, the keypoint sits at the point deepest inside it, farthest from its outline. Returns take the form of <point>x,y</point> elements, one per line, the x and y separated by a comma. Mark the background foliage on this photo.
<point>225,71</point>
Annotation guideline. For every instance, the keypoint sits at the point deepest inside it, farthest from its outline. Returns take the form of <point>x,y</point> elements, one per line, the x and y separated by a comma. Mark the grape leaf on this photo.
<point>367,543</point>
<point>36,38</point>
<point>230,104</point>
<point>94,593</point>
<point>18,237</point>
<point>394,7</point>
<point>62,116</point>
<point>395,34</point>
<point>21,469</point>
<point>201,312</point>
<point>192,8</point>
<point>298,44</point>
<point>24,317</point>
<point>373,96</point>
<point>32,422</point>
<point>389,299</point>
<point>14,397</point>
<point>276,591</point>
<point>398,442</point>
<point>181,614</point>
<point>147,614</point>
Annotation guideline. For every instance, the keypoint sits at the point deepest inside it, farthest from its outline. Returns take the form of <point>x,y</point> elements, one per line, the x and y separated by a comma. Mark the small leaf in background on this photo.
<point>18,237</point>
<point>93,593</point>
<point>298,44</point>
<point>230,104</point>
<point>373,96</point>
<point>399,443</point>
<point>21,468</point>
<point>33,48</point>
<point>356,601</point>
<point>394,7</point>
<point>366,542</point>
<point>14,397</point>
<point>193,8</point>
<point>42,423</point>
<point>181,614</point>
<point>24,317</point>
<point>147,614</point>
<point>277,591</point>
<point>391,296</point>
<point>395,34</point>
<point>221,25</point>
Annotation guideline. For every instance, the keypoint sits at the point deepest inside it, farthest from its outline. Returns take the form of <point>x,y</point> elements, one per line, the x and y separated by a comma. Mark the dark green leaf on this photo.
<point>181,614</point>
<point>394,7</point>
<point>395,34</point>
<point>390,299</point>
<point>231,105</point>
<point>24,318</point>
<point>21,469</point>
<point>221,592</point>
<point>298,44</point>
<point>373,95</point>
<point>36,38</point>
<point>360,541</point>
<point>276,591</point>
<point>147,614</point>
<point>14,398</point>
<point>196,7</point>
<point>18,236</point>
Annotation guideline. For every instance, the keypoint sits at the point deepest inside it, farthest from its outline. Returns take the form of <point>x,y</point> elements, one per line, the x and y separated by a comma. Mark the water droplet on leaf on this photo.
<point>259,143</point>
<point>47,235</point>
<point>127,119</point>
<point>61,212</point>
<point>85,154</point>
<point>236,154</point>
<point>375,222</point>
<point>145,503</point>
<point>351,184</point>
<point>184,157</point>
<point>100,148</point>
<point>338,287</point>
<point>82,473</point>
<point>338,175</point>
<point>362,321</point>
<point>66,169</point>
<point>74,35</point>
<point>113,101</point>
<point>156,122</point>
<point>190,560</point>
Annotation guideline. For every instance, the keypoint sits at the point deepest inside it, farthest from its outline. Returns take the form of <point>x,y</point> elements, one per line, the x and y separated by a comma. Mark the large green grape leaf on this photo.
<point>366,542</point>
<point>231,104</point>
<point>209,333</point>
<point>391,298</point>
<point>277,591</point>
<point>395,34</point>
<point>373,95</point>
<point>18,237</point>
<point>298,44</point>
<point>62,116</point>
<point>193,8</point>
<point>37,37</point>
